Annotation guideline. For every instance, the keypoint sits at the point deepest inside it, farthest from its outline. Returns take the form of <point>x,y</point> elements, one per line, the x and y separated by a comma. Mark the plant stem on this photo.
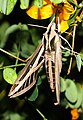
<point>69,69</point>
<point>22,64</point>
<point>41,114</point>
<point>44,118</point>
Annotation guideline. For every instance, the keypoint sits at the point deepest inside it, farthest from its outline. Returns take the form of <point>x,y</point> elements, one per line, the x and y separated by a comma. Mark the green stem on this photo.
<point>44,118</point>
<point>22,64</point>
<point>16,60</point>
<point>41,114</point>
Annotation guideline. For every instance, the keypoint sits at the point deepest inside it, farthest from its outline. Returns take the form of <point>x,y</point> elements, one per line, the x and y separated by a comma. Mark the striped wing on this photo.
<point>28,76</point>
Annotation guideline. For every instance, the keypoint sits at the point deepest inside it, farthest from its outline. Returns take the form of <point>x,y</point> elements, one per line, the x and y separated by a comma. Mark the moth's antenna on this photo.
<point>58,25</point>
<point>37,26</point>
<point>42,26</point>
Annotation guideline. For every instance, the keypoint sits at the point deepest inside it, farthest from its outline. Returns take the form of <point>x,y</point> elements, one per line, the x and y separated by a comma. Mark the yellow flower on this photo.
<point>75,114</point>
<point>78,19</point>
<point>63,11</point>
<point>41,13</point>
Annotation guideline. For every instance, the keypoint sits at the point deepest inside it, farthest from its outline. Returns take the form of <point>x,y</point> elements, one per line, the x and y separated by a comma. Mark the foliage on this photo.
<point>21,40</point>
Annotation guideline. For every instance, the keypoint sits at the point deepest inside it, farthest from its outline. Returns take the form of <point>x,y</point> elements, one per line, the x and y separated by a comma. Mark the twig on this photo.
<point>14,56</point>
<point>44,118</point>
<point>74,52</point>
<point>41,114</point>
<point>65,41</point>
<point>17,59</point>
<point>23,64</point>
<point>69,69</point>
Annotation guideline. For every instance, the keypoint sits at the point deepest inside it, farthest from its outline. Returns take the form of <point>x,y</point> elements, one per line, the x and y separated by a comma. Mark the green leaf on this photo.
<point>62,85</point>
<point>34,94</point>
<point>71,91</point>
<point>28,49</point>
<point>72,2</point>
<point>66,53</point>
<point>79,95</point>
<point>35,36</point>
<point>73,16</point>
<point>57,1</point>
<point>15,116</point>
<point>64,59</point>
<point>3,37</point>
<point>5,31</point>
<point>39,81</point>
<point>78,103</point>
<point>6,6</point>
<point>9,75</point>
<point>63,102</point>
<point>24,4</point>
<point>15,27</point>
<point>78,61</point>
<point>38,3</point>
<point>3,5</point>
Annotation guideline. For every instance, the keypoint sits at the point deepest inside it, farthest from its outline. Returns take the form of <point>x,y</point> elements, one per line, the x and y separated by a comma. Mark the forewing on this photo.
<point>28,76</point>
<point>58,66</point>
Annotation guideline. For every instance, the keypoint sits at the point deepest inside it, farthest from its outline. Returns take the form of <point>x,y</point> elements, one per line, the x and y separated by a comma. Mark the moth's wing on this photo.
<point>58,67</point>
<point>28,76</point>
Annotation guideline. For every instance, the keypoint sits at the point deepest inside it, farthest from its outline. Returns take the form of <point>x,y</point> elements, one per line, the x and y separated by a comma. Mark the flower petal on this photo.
<point>47,11</point>
<point>41,13</point>
<point>33,12</point>
<point>63,26</point>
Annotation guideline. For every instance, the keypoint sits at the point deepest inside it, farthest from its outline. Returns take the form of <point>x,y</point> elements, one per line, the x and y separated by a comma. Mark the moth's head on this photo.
<point>53,27</point>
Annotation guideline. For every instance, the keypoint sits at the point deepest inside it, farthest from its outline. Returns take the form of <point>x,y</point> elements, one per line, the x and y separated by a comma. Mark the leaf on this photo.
<point>80,95</point>
<point>3,4</point>
<point>15,27</point>
<point>71,91</point>
<point>15,116</point>
<point>2,94</point>
<point>9,75</point>
<point>62,85</point>
<point>34,94</point>
<point>38,3</point>
<point>39,81</point>
<point>6,6</point>
<point>78,61</point>
<point>73,18</point>
<point>72,2</point>
<point>57,1</point>
<point>24,4</point>
<point>35,36</point>
<point>78,103</point>
<point>64,59</point>
<point>66,53</point>
<point>6,31</point>
<point>27,49</point>
<point>3,29</point>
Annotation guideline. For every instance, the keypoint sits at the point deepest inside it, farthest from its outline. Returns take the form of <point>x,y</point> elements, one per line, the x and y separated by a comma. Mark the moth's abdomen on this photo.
<point>50,69</point>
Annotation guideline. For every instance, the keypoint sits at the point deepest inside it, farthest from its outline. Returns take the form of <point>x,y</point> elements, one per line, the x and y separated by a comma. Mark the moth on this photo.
<point>48,53</point>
